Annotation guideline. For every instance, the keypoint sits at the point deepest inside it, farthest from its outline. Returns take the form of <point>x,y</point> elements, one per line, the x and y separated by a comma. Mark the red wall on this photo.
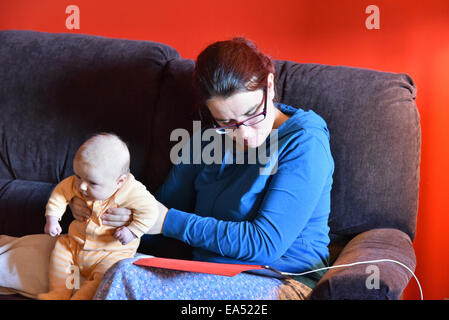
<point>413,38</point>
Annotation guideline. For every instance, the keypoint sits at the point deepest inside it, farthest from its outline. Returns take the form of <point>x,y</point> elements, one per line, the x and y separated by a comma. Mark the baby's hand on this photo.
<point>124,235</point>
<point>52,226</point>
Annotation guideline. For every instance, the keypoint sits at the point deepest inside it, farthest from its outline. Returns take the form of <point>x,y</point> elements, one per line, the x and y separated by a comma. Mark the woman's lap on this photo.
<point>127,281</point>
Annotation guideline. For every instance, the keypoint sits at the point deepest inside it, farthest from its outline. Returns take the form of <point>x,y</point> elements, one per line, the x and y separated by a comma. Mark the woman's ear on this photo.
<point>270,86</point>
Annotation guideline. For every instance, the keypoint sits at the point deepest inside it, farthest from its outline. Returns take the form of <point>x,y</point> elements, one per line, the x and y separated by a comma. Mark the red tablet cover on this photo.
<point>224,269</point>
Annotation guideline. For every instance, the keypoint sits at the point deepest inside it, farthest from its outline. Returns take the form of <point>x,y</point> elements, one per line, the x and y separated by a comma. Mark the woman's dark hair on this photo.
<point>228,67</point>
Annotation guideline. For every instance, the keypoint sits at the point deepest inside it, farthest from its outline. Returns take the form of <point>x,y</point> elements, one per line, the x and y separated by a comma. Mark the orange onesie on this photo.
<point>90,245</point>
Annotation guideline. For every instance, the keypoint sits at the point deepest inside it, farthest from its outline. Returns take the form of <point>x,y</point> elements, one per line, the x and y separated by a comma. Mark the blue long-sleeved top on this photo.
<point>230,212</point>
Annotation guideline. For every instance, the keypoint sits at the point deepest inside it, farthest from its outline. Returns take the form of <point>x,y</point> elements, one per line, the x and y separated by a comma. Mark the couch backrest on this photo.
<point>375,141</point>
<point>175,108</point>
<point>58,89</point>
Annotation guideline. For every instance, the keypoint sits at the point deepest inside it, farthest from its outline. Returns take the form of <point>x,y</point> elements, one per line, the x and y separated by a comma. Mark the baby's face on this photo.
<point>95,183</point>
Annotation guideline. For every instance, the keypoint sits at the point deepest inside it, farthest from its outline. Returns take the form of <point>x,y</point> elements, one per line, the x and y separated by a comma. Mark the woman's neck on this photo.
<point>279,118</point>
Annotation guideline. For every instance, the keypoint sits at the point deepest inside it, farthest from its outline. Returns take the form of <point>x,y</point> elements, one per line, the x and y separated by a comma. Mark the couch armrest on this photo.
<point>360,281</point>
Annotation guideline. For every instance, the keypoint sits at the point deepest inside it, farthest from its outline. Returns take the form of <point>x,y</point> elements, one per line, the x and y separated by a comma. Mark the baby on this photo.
<point>103,180</point>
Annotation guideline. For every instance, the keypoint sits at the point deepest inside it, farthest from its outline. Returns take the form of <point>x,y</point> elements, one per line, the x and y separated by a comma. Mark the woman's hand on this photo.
<point>80,210</point>
<point>117,217</point>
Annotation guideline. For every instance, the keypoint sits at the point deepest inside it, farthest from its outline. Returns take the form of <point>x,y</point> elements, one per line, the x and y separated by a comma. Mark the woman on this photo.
<point>229,212</point>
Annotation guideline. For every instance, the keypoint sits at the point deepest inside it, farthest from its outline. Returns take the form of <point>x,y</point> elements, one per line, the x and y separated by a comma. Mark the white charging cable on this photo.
<point>357,263</point>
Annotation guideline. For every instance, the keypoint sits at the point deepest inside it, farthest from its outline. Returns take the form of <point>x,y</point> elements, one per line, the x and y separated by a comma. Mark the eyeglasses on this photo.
<point>248,122</point>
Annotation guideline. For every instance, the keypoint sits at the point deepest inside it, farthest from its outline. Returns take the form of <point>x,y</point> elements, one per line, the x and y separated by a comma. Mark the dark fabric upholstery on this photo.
<point>175,109</point>
<point>57,89</point>
<point>375,141</point>
<point>350,282</point>
<point>22,207</point>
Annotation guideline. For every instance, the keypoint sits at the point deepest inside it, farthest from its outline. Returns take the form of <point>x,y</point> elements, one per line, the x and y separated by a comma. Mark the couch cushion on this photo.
<point>58,89</point>
<point>22,207</point>
<point>375,141</point>
<point>373,265</point>
<point>24,264</point>
<point>175,109</point>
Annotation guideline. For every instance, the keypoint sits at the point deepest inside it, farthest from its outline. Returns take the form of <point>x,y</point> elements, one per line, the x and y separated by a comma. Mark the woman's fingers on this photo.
<point>79,208</point>
<point>117,217</point>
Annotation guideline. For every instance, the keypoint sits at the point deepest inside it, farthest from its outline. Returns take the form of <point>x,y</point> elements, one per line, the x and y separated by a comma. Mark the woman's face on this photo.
<point>239,107</point>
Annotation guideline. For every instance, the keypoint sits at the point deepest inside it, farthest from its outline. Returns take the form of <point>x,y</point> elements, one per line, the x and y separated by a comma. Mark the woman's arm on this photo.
<point>292,196</point>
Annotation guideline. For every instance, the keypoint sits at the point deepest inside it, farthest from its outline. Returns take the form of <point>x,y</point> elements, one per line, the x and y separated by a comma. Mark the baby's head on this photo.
<point>101,166</point>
